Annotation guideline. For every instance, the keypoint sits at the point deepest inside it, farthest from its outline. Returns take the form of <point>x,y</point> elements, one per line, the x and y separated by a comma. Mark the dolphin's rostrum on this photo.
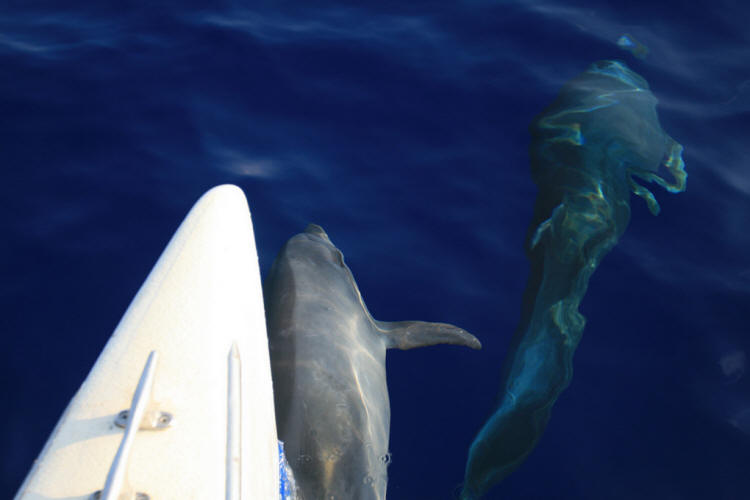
<point>328,362</point>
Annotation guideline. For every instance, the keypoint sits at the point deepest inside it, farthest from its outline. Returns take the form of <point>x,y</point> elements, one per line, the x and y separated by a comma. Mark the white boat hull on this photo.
<point>203,295</point>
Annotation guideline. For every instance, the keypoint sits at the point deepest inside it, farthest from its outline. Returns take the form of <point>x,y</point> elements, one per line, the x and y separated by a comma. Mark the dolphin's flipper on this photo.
<point>410,334</point>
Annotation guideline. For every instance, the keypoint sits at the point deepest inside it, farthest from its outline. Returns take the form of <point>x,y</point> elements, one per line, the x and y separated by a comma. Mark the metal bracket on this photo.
<point>114,486</point>
<point>153,420</point>
<point>138,496</point>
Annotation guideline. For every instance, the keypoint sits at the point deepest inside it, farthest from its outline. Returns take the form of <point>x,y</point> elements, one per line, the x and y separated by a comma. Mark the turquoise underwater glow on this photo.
<point>587,148</point>
<point>629,43</point>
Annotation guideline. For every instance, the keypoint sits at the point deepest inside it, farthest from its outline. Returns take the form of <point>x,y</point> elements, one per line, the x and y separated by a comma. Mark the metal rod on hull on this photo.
<point>234,425</point>
<point>141,399</point>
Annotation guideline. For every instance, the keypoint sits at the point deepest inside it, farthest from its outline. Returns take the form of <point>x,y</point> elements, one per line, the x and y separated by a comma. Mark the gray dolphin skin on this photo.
<point>328,363</point>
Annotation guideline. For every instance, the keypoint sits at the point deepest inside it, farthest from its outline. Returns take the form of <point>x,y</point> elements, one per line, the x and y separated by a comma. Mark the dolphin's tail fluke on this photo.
<point>410,334</point>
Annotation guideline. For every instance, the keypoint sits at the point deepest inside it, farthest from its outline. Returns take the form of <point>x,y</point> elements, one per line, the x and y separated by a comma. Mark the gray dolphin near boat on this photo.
<point>328,362</point>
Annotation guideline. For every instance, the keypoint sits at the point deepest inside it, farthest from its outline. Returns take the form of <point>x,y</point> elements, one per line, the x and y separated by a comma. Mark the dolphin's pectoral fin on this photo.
<point>410,334</point>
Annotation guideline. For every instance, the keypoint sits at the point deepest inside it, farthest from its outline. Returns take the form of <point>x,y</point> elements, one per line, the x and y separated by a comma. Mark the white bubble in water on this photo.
<point>741,420</point>
<point>733,365</point>
<point>629,43</point>
<point>334,454</point>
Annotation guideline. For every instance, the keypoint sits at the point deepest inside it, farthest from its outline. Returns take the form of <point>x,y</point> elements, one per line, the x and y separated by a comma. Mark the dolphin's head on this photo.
<point>316,246</point>
<point>316,230</point>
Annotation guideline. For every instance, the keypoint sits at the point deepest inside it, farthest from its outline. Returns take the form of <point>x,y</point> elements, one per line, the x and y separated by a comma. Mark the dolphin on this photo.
<point>328,365</point>
<point>586,150</point>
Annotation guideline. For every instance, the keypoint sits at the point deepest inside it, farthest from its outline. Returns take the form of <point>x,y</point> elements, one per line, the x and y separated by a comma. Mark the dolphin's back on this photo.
<point>330,389</point>
<point>328,364</point>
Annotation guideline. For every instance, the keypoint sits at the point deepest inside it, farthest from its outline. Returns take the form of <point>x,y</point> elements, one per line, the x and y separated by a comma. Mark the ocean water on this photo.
<point>401,128</point>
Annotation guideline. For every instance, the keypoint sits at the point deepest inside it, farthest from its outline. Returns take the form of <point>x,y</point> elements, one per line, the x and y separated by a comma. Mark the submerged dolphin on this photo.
<point>328,362</point>
<point>586,149</point>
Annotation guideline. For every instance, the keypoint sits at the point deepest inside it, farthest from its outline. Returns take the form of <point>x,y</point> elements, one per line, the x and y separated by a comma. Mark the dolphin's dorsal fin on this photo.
<point>410,334</point>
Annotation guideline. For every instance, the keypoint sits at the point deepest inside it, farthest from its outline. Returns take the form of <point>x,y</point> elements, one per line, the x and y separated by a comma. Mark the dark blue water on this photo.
<point>401,127</point>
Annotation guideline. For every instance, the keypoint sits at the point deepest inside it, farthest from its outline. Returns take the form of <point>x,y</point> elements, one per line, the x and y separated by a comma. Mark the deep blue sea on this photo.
<point>401,128</point>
